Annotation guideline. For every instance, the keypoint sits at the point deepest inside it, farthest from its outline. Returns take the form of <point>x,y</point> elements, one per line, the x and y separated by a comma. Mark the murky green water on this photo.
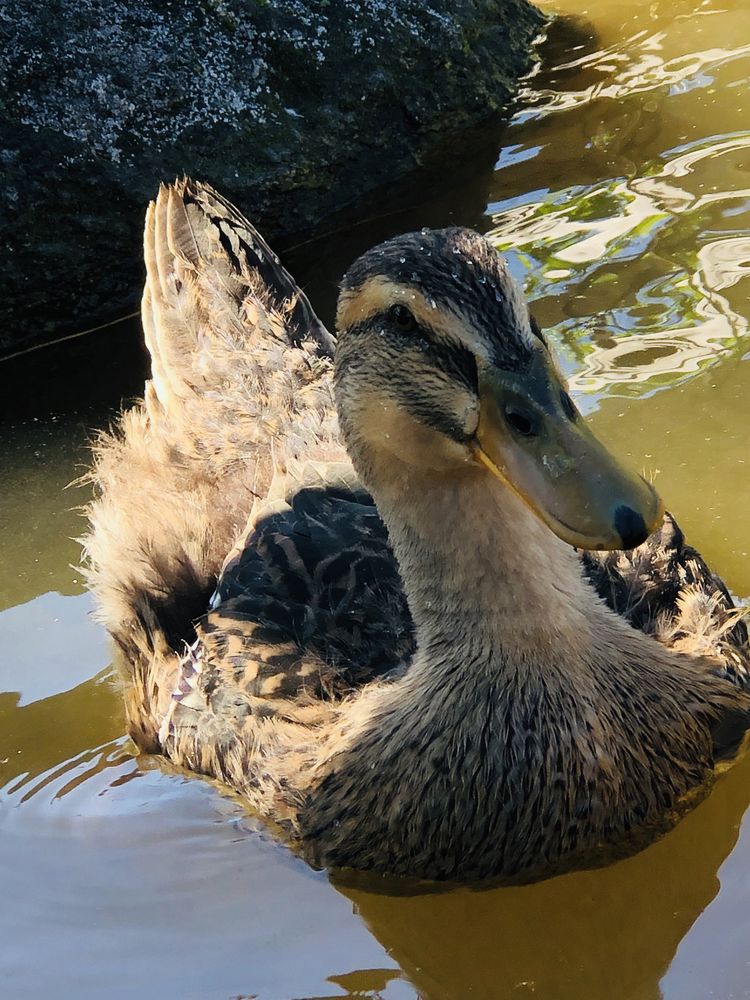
<point>621,193</point>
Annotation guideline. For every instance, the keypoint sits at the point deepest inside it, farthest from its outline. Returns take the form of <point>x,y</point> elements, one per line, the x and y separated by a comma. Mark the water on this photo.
<point>621,193</point>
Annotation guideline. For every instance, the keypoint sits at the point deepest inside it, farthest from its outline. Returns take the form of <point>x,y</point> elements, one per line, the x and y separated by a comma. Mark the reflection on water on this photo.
<point>633,216</point>
<point>620,193</point>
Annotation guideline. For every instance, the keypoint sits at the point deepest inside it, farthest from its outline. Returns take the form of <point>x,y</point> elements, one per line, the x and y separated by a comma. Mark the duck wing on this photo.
<point>240,387</point>
<point>666,589</point>
<point>318,571</point>
<point>317,577</point>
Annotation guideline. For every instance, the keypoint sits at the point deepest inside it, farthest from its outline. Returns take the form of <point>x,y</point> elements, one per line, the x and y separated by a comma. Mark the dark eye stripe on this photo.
<point>456,361</point>
<point>448,356</point>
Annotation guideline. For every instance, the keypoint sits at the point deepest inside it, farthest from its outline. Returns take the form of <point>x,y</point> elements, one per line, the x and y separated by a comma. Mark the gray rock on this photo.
<point>290,107</point>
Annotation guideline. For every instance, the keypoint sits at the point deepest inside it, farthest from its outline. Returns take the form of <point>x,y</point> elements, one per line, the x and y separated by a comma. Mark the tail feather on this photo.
<point>240,372</point>
<point>251,258</point>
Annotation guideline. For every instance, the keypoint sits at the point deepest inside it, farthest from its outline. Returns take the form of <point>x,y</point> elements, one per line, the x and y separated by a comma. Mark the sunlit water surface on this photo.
<point>621,194</point>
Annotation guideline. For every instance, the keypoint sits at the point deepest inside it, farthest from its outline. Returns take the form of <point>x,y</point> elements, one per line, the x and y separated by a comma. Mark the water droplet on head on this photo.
<point>402,260</point>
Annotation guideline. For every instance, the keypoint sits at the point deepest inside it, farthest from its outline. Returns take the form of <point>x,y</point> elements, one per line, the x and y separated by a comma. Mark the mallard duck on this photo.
<point>345,575</point>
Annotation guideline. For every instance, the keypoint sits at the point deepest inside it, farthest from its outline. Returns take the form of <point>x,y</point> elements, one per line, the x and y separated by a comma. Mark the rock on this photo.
<point>290,107</point>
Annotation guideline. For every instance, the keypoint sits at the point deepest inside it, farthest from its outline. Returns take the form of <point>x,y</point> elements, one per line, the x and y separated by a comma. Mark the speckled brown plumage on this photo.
<point>446,697</point>
<point>666,589</point>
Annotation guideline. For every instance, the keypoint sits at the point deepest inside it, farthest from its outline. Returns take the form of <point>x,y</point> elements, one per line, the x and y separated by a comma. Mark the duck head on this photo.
<point>440,366</point>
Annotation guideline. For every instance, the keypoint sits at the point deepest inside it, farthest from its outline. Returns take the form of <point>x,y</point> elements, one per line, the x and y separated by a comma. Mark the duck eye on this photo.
<point>403,318</point>
<point>521,423</point>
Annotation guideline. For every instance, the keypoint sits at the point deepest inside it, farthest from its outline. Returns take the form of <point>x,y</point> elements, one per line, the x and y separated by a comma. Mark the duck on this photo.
<point>387,585</point>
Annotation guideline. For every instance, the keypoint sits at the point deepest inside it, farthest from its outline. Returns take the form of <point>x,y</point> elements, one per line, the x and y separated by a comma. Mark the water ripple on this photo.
<point>633,66</point>
<point>632,231</point>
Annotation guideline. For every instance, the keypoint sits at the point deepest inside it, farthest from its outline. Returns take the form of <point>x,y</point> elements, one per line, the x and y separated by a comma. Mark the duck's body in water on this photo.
<point>446,699</point>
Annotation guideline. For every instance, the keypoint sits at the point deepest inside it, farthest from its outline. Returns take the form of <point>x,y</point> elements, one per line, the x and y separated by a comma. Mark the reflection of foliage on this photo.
<point>614,261</point>
<point>595,204</point>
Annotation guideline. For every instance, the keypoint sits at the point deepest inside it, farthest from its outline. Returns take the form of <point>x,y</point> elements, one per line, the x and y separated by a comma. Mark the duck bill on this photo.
<point>530,437</point>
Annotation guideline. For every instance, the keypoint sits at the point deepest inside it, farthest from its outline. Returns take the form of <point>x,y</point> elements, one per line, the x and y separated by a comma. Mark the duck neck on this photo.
<point>487,583</point>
